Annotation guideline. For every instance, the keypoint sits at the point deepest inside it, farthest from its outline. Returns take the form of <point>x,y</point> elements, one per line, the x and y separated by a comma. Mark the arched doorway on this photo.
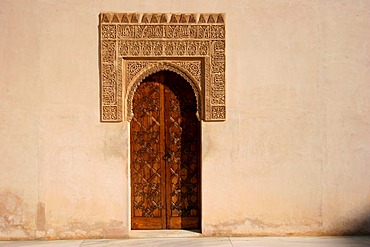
<point>165,154</point>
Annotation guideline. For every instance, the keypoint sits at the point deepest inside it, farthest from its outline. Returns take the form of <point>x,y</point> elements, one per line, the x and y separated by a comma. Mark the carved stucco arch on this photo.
<point>194,44</point>
<point>162,66</point>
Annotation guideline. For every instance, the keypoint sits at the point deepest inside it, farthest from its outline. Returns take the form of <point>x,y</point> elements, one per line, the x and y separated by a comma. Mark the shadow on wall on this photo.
<point>357,233</point>
<point>358,227</point>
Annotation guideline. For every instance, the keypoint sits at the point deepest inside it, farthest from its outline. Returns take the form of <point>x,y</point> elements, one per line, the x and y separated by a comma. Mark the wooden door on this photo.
<point>165,155</point>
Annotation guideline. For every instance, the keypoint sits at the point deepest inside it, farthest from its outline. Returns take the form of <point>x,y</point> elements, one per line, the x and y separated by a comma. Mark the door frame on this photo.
<point>129,157</point>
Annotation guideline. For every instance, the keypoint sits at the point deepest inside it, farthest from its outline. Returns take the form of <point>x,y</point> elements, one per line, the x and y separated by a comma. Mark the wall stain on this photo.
<point>81,230</point>
<point>237,227</point>
<point>40,217</point>
<point>115,145</point>
<point>13,224</point>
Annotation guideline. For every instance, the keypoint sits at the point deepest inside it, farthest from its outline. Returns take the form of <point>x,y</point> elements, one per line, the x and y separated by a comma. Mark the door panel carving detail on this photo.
<point>183,142</point>
<point>145,152</point>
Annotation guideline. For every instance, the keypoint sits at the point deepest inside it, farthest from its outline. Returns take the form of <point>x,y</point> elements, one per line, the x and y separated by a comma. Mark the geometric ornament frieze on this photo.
<point>136,45</point>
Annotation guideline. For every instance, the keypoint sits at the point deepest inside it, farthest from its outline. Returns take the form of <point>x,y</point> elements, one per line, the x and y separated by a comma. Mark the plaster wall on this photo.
<point>292,157</point>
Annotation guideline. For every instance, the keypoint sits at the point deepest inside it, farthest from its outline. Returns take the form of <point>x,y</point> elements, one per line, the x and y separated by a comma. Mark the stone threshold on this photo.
<point>165,233</point>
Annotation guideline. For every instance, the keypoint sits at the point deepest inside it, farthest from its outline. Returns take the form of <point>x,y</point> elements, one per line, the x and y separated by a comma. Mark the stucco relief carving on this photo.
<point>132,46</point>
<point>139,70</point>
<point>136,67</point>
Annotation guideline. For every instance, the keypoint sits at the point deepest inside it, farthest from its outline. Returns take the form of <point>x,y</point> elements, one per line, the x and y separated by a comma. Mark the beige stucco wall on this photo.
<point>292,158</point>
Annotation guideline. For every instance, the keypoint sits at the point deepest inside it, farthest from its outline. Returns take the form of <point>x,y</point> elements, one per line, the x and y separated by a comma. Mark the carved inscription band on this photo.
<point>134,45</point>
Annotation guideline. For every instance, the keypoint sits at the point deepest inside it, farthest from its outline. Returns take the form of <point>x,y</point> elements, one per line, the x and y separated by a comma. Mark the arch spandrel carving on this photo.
<point>133,45</point>
<point>149,68</point>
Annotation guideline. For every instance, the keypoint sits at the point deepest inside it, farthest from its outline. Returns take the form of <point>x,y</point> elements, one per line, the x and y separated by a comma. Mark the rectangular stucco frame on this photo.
<point>133,45</point>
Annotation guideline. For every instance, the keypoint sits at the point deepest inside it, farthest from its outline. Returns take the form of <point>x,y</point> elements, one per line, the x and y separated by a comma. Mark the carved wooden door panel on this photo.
<point>165,155</point>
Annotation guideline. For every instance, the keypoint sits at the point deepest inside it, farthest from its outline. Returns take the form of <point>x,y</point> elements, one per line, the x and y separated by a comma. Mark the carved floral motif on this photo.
<point>218,112</point>
<point>108,50</point>
<point>128,48</point>
<point>134,68</point>
<point>163,32</point>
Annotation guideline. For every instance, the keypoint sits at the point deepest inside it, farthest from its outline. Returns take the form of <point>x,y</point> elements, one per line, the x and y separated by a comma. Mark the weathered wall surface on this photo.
<point>292,157</point>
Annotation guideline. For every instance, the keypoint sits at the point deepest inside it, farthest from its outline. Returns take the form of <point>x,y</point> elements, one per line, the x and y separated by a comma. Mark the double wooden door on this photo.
<point>165,155</point>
